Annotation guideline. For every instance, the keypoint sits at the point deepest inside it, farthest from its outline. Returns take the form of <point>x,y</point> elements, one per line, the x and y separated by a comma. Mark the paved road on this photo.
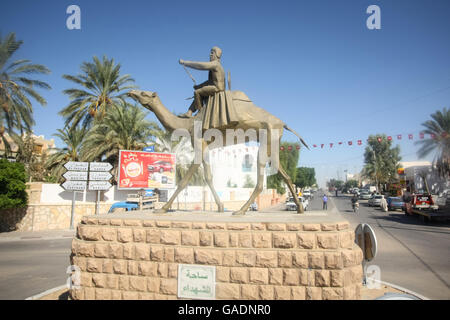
<point>29,267</point>
<point>411,254</point>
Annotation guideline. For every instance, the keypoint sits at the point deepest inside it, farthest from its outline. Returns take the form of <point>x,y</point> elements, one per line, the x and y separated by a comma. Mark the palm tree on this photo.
<point>123,128</point>
<point>439,130</point>
<point>16,88</point>
<point>73,138</point>
<point>102,87</point>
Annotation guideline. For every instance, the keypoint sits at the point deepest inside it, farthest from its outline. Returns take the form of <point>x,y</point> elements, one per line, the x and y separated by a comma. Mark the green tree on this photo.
<point>16,89</point>
<point>73,139</point>
<point>288,161</point>
<point>381,160</point>
<point>248,183</point>
<point>102,87</point>
<point>123,128</point>
<point>439,127</point>
<point>335,184</point>
<point>12,185</point>
<point>351,184</point>
<point>306,177</point>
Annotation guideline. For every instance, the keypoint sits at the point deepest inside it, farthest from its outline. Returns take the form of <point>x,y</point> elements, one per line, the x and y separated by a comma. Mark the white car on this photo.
<point>307,194</point>
<point>291,206</point>
<point>375,200</point>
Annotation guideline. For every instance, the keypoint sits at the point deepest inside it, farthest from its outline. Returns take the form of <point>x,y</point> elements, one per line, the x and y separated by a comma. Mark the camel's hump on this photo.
<point>239,95</point>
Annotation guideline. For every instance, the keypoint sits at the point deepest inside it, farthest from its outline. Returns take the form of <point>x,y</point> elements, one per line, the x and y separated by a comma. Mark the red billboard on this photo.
<point>146,170</point>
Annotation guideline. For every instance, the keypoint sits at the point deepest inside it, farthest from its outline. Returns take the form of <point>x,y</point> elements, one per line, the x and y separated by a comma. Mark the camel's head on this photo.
<point>146,98</point>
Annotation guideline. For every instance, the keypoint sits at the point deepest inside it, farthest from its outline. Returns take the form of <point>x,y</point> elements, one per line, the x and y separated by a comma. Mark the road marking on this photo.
<point>45,293</point>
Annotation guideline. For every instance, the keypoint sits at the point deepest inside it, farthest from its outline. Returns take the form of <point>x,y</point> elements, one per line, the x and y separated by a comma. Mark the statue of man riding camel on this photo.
<point>220,111</point>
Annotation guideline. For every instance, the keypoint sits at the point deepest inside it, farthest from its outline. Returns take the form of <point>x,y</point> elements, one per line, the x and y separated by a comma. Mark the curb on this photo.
<point>45,293</point>
<point>31,238</point>
<point>403,289</point>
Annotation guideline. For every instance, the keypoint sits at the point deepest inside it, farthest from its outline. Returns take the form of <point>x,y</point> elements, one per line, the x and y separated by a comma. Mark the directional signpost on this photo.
<point>82,176</point>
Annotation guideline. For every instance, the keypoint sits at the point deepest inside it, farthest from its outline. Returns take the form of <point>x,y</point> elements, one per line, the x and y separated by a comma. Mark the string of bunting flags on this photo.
<point>359,142</point>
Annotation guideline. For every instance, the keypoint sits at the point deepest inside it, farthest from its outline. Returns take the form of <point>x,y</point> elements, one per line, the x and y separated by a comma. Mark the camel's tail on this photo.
<point>293,131</point>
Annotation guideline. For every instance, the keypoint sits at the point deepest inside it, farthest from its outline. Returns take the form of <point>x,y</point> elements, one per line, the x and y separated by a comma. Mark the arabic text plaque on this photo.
<point>196,281</point>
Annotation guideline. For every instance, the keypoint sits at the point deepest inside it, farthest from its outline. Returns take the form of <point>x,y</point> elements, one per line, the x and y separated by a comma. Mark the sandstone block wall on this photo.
<point>123,258</point>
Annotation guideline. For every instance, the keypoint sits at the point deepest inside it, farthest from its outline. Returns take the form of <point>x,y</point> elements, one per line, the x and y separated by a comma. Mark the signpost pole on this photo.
<point>72,214</point>
<point>97,205</point>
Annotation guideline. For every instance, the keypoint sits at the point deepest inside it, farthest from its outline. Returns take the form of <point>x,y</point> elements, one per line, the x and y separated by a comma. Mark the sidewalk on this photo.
<point>36,235</point>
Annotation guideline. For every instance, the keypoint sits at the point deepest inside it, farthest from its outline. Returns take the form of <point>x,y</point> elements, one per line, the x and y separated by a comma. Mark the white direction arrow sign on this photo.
<point>99,185</point>
<point>100,166</point>
<point>76,175</point>
<point>77,166</point>
<point>99,176</point>
<point>74,185</point>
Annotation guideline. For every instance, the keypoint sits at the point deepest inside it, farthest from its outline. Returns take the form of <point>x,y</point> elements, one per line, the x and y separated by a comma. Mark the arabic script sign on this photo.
<point>196,282</point>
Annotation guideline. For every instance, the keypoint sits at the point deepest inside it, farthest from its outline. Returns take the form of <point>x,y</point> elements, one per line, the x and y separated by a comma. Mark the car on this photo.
<point>395,203</point>
<point>253,207</point>
<point>160,166</point>
<point>307,194</point>
<point>290,204</point>
<point>375,200</point>
<point>364,195</point>
<point>423,201</point>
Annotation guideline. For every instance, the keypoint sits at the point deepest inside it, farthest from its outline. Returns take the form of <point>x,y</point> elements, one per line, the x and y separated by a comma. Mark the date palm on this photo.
<point>100,88</point>
<point>73,139</point>
<point>124,127</point>
<point>16,88</point>
<point>438,130</point>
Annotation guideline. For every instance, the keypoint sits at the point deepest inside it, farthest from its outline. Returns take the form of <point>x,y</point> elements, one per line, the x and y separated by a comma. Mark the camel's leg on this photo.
<point>181,186</point>
<point>256,191</point>
<point>288,181</point>
<point>208,178</point>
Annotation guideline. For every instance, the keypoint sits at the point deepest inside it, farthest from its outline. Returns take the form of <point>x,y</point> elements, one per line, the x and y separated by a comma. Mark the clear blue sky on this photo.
<point>314,64</point>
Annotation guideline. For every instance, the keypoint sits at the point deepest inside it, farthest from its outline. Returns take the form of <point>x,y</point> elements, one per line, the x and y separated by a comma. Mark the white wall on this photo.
<point>54,193</point>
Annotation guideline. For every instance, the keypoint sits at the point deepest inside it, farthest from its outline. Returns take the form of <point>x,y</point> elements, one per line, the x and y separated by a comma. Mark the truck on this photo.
<point>134,202</point>
<point>423,205</point>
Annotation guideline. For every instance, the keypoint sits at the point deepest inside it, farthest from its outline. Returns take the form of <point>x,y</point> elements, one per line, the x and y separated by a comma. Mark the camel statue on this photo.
<point>252,117</point>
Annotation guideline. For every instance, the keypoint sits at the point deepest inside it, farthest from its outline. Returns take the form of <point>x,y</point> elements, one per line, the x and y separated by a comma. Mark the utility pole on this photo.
<point>375,166</point>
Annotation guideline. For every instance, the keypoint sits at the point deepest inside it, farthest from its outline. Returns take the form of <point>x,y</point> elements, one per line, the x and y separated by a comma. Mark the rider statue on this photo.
<point>214,84</point>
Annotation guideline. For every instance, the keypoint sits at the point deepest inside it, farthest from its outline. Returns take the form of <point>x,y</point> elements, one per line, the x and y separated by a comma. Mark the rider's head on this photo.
<point>216,54</point>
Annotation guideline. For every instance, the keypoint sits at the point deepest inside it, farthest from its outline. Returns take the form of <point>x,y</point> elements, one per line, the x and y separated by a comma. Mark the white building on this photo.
<point>233,166</point>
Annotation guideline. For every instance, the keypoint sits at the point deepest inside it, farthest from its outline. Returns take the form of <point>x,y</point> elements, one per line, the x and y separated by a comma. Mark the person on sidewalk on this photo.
<point>325,202</point>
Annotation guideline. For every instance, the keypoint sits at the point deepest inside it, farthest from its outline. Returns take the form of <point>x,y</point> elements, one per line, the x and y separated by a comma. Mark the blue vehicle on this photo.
<point>123,206</point>
<point>148,200</point>
<point>395,203</point>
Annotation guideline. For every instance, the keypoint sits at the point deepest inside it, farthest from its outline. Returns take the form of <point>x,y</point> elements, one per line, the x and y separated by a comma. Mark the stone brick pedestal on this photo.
<point>263,256</point>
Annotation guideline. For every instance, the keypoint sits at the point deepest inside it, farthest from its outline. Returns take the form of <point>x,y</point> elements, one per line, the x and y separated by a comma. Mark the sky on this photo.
<point>313,64</point>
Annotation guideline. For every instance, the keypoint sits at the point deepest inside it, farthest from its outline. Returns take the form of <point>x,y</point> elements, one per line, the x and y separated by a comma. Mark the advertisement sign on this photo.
<point>144,170</point>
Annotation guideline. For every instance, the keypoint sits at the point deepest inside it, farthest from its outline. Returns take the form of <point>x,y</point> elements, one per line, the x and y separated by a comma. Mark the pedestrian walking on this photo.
<point>325,202</point>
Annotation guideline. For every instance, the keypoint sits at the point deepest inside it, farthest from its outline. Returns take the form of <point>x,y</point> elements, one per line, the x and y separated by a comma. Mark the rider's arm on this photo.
<point>200,65</point>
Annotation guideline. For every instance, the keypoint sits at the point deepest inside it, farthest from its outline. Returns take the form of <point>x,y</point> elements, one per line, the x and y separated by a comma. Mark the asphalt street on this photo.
<point>29,267</point>
<point>411,254</point>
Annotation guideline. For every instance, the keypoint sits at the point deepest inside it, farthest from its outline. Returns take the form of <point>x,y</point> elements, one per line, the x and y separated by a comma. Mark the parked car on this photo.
<point>160,166</point>
<point>307,194</point>
<point>290,204</point>
<point>423,201</point>
<point>395,203</point>
<point>364,194</point>
<point>375,200</point>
